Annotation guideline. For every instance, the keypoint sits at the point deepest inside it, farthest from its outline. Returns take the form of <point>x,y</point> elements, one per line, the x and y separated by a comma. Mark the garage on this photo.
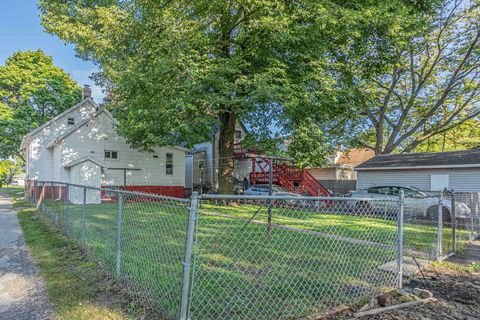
<point>429,171</point>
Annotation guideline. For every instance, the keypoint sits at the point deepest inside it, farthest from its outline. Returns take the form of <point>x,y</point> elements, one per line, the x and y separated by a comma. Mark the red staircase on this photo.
<point>289,177</point>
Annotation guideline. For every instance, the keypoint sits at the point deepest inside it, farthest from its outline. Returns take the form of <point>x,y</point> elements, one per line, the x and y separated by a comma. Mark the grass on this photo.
<point>242,271</point>
<point>74,283</point>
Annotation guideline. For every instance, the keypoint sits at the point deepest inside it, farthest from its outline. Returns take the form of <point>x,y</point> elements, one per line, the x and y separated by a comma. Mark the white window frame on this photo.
<point>167,164</point>
<point>110,157</point>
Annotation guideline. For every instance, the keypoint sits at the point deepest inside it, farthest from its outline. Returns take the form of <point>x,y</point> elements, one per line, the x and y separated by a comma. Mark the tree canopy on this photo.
<point>32,91</point>
<point>176,68</point>
<point>432,86</point>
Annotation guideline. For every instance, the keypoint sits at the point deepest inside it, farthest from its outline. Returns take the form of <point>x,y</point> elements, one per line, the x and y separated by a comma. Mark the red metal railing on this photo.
<point>289,177</point>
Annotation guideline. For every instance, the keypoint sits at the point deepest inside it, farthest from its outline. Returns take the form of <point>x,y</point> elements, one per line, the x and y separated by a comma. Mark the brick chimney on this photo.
<point>86,92</point>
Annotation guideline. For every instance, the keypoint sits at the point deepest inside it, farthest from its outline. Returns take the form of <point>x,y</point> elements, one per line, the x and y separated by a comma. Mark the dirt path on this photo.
<point>22,291</point>
<point>455,285</point>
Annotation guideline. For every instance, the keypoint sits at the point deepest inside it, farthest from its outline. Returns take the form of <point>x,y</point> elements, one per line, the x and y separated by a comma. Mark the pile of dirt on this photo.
<point>456,290</point>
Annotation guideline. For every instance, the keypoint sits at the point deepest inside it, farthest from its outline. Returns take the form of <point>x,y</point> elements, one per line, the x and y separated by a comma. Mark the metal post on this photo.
<point>52,198</point>
<point>35,193</point>
<point>65,207</point>
<point>84,215</point>
<point>119,232</point>
<point>472,223</point>
<point>440,227</point>
<point>42,204</point>
<point>454,225</point>
<point>400,239</point>
<point>192,218</point>
<point>270,192</point>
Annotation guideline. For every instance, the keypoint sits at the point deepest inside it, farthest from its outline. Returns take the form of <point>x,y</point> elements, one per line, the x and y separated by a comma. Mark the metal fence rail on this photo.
<point>261,257</point>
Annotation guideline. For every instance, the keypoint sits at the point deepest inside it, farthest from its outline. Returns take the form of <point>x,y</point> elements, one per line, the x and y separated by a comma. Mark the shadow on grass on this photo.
<point>74,283</point>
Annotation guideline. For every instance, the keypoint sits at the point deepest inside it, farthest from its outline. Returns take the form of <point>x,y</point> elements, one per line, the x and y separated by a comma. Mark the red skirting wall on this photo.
<point>49,192</point>
<point>170,191</point>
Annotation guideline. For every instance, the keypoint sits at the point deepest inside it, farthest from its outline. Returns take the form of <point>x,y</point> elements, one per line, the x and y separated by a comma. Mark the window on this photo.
<point>111,154</point>
<point>410,193</point>
<point>238,134</point>
<point>71,121</point>
<point>169,163</point>
<point>379,190</point>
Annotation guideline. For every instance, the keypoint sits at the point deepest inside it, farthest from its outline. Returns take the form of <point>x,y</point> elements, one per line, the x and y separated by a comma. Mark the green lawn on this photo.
<point>310,261</point>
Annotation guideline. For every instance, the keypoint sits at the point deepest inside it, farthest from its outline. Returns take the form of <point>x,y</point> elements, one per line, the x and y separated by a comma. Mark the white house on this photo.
<point>435,171</point>
<point>81,146</point>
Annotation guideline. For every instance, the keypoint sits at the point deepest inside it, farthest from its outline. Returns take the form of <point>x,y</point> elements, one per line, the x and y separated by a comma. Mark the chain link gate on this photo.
<point>262,257</point>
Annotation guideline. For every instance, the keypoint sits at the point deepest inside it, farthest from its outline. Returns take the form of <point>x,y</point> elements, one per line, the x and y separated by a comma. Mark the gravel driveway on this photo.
<point>22,291</point>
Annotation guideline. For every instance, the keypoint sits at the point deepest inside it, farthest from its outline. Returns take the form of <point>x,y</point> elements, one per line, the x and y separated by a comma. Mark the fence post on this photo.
<point>84,216</point>
<point>400,239</point>
<point>65,206</point>
<point>472,223</point>
<point>192,218</point>
<point>42,204</point>
<point>119,232</point>
<point>35,193</point>
<point>440,228</point>
<point>454,225</point>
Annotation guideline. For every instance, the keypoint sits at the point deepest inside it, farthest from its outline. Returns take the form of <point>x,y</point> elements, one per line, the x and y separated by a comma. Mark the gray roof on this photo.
<point>453,159</point>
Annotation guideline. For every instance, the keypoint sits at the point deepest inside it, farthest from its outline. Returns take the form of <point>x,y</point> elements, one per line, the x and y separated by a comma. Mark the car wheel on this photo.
<point>432,213</point>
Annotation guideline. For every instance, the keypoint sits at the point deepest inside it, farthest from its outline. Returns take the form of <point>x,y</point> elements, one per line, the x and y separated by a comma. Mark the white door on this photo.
<point>438,182</point>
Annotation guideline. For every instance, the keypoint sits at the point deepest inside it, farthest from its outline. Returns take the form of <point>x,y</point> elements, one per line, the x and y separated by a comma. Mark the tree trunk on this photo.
<point>225,152</point>
<point>379,137</point>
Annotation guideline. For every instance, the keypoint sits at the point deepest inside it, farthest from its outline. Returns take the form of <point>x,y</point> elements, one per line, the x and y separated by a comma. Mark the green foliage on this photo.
<point>32,91</point>
<point>308,146</point>
<point>177,68</point>
<point>431,86</point>
<point>464,136</point>
<point>8,169</point>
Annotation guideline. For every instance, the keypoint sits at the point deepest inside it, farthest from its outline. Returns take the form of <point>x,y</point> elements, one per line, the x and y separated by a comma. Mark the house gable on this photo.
<point>41,162</point>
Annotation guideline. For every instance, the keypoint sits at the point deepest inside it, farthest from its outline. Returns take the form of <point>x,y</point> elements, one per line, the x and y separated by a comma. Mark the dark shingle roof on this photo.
<point>425,159</point>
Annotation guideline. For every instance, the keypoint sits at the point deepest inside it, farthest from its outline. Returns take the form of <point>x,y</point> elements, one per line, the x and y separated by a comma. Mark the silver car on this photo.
<point>262,189</point>
<point>416,201</point>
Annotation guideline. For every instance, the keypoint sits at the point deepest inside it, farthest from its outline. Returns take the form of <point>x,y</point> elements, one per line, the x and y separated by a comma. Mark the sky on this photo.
<point>20,29</point>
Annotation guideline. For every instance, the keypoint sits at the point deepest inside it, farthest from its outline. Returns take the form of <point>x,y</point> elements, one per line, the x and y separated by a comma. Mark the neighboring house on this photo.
<point>340,176</point>
<point>342,164</point>
<point>201,163</point>
<point>81,146</point>
<point>457,170</point>
<point>19,179</point>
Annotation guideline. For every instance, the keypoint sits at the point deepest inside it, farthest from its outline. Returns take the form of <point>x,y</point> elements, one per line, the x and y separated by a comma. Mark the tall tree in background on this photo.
<point>176,68</point>
<point>32,91</point>
<point>433,87</point>
<point>464,136</point>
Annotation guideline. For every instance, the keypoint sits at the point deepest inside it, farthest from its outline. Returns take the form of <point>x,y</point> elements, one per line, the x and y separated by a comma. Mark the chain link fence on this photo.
<point>255,257</point>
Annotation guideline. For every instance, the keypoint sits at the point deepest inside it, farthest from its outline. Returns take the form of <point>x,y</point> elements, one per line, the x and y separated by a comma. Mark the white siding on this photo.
<point>40,162</point>
<point>85,173</point>
<point>459,179</point>
<point>99,135</point>
<point>323,173</point>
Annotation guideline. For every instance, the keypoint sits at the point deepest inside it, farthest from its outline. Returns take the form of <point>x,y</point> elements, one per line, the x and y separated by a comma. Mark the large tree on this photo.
<point>432,87</point>
<point>32,91</point>
<point>177,68</point>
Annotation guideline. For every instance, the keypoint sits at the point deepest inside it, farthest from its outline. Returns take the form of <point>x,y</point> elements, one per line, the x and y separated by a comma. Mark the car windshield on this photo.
<point>417,191</point>
<point>275,188</point>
